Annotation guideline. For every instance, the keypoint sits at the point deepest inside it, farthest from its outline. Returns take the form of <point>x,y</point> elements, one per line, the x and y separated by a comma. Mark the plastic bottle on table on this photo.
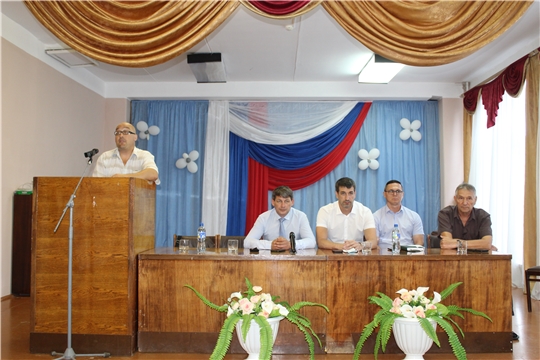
<point>396,248</point>
<point>201,239</point>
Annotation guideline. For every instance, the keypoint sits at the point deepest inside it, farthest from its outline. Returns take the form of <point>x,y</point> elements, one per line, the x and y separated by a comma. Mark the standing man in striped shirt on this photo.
<point>127,160</point>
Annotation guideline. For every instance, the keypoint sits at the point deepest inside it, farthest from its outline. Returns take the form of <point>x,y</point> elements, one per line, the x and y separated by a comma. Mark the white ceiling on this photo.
<point>317,58</point>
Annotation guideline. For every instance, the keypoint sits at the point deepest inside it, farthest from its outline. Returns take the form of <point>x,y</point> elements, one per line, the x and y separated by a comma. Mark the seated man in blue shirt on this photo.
<point>272,228</point>
<point>409,222</point>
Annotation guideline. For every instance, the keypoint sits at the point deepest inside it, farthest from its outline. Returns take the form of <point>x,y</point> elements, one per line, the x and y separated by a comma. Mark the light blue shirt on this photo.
<point>408,221</point>
<point>266,229</point>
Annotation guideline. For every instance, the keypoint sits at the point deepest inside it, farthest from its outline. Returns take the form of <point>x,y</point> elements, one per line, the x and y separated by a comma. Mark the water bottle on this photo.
<point>396,248</point>
<point>201,239</point>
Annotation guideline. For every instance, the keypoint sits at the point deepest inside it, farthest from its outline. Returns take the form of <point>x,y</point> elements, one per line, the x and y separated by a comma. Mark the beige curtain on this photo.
<point>425,33</point>
<point>132,33</point>
<point>531,217</point>
<point>146,33</point>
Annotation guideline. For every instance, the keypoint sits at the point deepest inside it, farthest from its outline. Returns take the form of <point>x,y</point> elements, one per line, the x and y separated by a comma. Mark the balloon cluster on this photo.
<point>410,130</point>
<point>368,159</point>
<point>145,131</point>
<point>189,161</point>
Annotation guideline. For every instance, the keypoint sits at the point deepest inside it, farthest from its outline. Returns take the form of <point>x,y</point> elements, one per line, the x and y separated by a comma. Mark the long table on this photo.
<point>173,319</point>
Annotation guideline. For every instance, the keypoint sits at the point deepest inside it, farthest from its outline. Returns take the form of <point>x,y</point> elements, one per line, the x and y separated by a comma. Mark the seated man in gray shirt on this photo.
<point>272,228</point>
<point>409,222</point>
<point>464,221</point>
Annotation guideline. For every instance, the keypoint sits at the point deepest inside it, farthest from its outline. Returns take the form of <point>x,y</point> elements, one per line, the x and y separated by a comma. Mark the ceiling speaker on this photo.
<point>207,67</point>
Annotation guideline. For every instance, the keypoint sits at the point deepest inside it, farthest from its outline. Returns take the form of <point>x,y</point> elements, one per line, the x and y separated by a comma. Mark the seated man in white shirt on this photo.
<point>271,232</point>
<point>410,225</point>
<point>344,224</point>
<point>126,160</point>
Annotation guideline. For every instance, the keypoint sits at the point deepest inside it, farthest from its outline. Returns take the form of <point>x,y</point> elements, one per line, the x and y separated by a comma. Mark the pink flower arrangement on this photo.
<point>413,304</point>
<point>255,302</point>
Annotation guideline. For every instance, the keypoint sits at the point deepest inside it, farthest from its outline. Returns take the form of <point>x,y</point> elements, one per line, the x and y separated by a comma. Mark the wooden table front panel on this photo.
<point>171,310</point>
<point>172,318</point>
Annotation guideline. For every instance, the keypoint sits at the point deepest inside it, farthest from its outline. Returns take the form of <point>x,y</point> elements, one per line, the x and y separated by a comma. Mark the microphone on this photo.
<point>292,239</point>
<point>89,154</point>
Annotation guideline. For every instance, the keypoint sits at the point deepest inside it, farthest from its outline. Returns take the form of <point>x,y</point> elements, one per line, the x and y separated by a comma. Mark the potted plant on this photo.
<point>414,305</point>
<point>255,305</point>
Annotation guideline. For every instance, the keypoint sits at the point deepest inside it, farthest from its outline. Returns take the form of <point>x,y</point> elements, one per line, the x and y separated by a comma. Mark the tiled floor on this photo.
<point>16,333</point>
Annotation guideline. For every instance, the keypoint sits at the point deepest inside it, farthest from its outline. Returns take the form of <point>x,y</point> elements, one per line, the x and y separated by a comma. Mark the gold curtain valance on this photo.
<point>132,33</point>
<point>425,33</point>
<point>146,33</point>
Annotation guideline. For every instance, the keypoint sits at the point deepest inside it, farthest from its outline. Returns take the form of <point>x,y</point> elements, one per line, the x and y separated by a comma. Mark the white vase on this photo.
<point>252,345</point>
<point>411,338</point>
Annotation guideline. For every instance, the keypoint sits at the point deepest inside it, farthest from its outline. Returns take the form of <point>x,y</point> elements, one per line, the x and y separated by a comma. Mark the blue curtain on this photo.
<point>182,127</point>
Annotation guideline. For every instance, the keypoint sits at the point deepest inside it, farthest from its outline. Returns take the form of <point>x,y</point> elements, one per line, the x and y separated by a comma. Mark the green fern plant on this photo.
<point>413,304</point>
<point>255,305</point>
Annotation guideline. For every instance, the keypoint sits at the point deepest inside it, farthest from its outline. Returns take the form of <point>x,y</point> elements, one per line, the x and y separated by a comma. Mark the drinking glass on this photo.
<point>232,246</point>
<point>183,245</point>
<point>366,248</point>
<point>462,247</point>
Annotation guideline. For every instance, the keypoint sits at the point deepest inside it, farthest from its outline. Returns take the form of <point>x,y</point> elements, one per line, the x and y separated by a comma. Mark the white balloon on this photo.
<point>185,155</point>
<point>194,155</point>
<point>143,136</point>
<point>416,136</point>
<point>153,130</point>
<point>192,167</point>
<point>405,123</point>
<point>142,126</point>
<point>374,165</point>
<point>416,125</point>
<point>181,163</point>
<point>363,154</point>
<point>405,134</point>
<point>363,165</point>
<point>374,153</point>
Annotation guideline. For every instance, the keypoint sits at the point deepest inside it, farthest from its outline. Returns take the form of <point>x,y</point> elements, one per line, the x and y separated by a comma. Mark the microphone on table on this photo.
<point>89,154</point>
<point>292,239</point>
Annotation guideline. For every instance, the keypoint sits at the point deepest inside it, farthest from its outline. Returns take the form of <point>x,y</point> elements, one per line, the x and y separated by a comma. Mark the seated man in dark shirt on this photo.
<point>464,221</point>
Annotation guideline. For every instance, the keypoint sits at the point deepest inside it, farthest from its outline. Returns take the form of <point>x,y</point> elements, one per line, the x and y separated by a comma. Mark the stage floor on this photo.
<point>16,338</point>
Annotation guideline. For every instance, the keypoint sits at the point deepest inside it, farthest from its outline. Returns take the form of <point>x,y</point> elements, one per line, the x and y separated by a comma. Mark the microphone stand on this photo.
<point>69,353</point>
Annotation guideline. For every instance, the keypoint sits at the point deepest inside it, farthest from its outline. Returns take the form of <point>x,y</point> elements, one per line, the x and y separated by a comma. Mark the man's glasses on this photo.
<point>123,132</point>
<point>394,192</point>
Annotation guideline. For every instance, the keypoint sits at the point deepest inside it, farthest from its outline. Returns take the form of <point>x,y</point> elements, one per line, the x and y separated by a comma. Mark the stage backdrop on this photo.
<point>247,148</point>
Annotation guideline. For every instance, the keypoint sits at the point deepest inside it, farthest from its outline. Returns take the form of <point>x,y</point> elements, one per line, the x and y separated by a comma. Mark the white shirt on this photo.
<point>343,227</point>
<point>110,163</point>
<point>267,227</point>
<point>409,224</point>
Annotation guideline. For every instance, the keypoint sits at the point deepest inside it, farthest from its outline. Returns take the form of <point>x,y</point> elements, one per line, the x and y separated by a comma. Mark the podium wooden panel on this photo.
<point>113,221</point>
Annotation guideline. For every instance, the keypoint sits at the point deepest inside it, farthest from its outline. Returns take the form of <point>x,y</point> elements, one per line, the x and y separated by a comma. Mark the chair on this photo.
<point>531,275</point>
<point>434,240</point>
<point>224,239</point>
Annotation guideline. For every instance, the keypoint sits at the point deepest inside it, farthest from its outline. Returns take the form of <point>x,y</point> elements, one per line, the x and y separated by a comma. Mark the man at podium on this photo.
<point>127,160</point>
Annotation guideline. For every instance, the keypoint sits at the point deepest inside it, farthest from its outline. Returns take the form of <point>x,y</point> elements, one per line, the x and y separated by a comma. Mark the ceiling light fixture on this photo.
<point>70,58</point>
<point>379,70</point>
<point>207,67</point>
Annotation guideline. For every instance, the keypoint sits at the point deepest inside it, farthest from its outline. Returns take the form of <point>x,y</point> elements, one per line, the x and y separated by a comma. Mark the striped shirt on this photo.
<point>110,163</point>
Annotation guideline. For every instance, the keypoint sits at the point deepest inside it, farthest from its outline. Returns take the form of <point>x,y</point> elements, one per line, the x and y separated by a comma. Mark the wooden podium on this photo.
<point>113,221</point>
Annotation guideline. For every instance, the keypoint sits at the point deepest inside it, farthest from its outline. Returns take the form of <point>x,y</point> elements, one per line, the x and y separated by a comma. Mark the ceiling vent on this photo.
<point>207,67</point>
<point>70,58</point>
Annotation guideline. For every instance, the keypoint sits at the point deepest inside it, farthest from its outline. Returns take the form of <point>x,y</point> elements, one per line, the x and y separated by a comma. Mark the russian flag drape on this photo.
<point>294,165</point>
